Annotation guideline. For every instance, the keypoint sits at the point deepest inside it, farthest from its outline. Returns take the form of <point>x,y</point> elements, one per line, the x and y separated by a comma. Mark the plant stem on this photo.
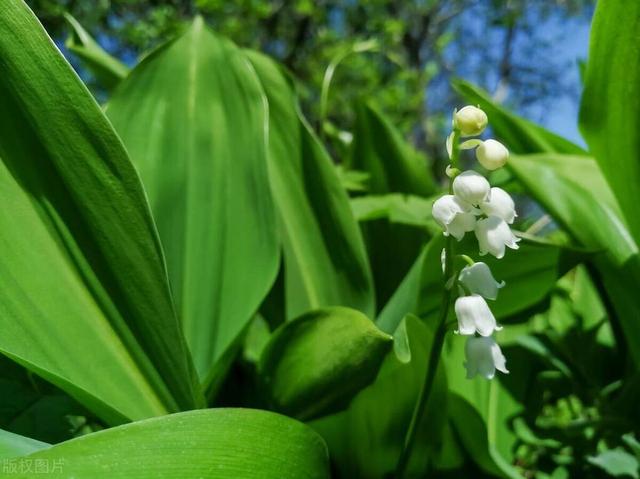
<point>438,339</point>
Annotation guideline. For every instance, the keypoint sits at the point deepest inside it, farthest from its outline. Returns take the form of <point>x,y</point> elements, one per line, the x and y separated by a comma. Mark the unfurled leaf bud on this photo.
<point>470,120</point>
<point>492,154</point>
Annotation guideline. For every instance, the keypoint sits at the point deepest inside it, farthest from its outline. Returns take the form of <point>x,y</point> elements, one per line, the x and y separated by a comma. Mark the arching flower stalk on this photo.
<point>472,205</point>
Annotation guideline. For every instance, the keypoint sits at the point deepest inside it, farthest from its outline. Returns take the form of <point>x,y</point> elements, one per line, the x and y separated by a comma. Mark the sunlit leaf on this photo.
<point>324,258</point>
<point>193,117</point>
<point>13,445</point>
<point>575,193</point>
<point>84,299</point>
<point>220,443</point>
<point>610,110</point>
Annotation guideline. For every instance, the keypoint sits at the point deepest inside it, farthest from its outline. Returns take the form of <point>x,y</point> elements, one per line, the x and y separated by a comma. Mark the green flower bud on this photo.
<point>470,120</point>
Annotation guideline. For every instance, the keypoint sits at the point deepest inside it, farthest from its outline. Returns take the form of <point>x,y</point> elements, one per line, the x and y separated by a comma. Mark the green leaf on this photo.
<point>397,208</point>
<point>13,445</point>
<point>366,440</point>
<point>521,136</point>
<point>575,193</point>
<point>324,258</point>
<point>316,363</point>
<point>220,443</point>
<point>379,149</point>
<point>529,274</point>
<point>616,462</point>
<point>486,428</point>
<point>109,71</point>
<point>193,117</point>
<point>610,110</point>
<point>472,431</point>
<point>84,299</point>
<point>393,166</point>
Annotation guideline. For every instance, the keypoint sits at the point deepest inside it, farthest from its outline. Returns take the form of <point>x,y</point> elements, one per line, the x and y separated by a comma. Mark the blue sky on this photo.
<point>562,116</point>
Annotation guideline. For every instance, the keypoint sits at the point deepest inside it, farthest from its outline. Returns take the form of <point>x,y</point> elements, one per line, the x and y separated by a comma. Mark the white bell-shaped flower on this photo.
<point>493,235</point>
<point>492,154</point>
<point>470,120</point>
<point>500,204</point>
<point>454,215</point>
<point>477,279</point>
<point>471,187</point>
<point>483,356</point>
<point>474,316</point>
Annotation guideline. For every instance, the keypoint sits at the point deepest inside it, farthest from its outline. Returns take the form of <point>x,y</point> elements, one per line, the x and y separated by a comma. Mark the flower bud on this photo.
<point>477,279</point>
<point>483,356</point>
<point>492,154</point>
<point>471,187</point>
<point>493,235</point>
<point>470,120</point>
<point>454,216</point>
<point>474,315</point>
<point>500,204</point>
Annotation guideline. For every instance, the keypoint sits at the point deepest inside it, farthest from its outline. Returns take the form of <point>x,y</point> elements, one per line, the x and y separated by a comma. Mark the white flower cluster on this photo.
<point>488,212</point>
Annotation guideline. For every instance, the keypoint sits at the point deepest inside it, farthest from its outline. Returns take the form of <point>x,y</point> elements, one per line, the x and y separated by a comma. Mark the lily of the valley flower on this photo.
<point>492,154</point>
<point>483,357</point>
<point>493,235</point>
<point>500,204</point>
<point>454,216</point>
<point>474,315</point>
<point>477,279</point>
<point>470,120</point>
<point>471,187</point>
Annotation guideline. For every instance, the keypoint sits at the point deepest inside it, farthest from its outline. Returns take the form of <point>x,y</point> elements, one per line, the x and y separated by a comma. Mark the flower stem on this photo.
<point>438,339</point>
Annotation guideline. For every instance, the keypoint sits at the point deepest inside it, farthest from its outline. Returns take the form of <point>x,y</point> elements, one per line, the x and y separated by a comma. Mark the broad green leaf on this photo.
<point>108,71</point>
<point>324,258</point>
<point>575,193</point>
<point>316,363</point>
<point>13,445</point>
<point>610,110</point>
<point>193,118</point>
<point>84,298</point>
<point>366,440</point>
<point>472,431</point>
<point>617,463</point>
<point>220,443</point>
<point>393,166</point>
<point>529,273</point>
<point>521,136</point>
